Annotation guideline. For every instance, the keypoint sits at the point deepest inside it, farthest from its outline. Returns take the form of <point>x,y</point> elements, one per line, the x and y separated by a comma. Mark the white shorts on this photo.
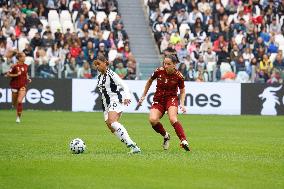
<point>113,107</point>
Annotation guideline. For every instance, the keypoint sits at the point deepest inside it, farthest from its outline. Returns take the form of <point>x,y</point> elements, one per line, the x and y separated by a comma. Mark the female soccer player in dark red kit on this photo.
<point>19,79</point>
<point>166,99</point>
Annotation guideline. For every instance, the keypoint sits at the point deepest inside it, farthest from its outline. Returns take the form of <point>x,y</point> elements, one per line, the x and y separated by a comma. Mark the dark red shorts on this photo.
<point>164,104</point>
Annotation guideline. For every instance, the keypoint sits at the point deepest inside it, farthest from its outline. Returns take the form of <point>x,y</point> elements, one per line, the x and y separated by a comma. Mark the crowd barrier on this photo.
<point>42,94</point>
<point>201,98</point>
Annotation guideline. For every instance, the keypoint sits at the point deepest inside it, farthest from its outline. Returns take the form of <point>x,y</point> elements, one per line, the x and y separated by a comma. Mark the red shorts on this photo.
<point>164,104</point>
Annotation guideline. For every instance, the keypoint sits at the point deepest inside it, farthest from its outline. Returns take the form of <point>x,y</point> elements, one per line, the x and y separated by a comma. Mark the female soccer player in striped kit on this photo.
<point>166,99</point>
<point>113,101</point>
<point>19,80</point>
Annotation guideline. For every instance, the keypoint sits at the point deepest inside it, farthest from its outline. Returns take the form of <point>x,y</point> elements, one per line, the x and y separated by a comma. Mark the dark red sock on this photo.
<point>179,131</point>
<point>19,109</point>
<point>159,129</point>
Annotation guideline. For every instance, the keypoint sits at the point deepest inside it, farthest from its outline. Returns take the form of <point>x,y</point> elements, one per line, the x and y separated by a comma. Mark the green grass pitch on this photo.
<point>227,152</point>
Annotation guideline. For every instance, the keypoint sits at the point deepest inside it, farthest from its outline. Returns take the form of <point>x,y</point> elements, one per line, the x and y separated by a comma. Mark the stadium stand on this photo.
<point>222,40</point>
<point>61,38</point>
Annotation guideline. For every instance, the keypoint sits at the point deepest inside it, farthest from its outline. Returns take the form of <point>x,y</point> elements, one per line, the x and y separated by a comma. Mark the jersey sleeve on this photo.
<point>180,80</point>
<point>181,84</point>
<point>118,81</point>
<point>13,69</point>
<point>155,74</point>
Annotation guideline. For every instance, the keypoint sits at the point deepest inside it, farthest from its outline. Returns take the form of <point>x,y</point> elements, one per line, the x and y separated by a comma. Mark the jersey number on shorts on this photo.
<point>114,105</point>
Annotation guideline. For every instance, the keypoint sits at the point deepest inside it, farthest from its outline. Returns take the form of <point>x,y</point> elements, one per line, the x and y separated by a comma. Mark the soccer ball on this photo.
<point>77,146</point>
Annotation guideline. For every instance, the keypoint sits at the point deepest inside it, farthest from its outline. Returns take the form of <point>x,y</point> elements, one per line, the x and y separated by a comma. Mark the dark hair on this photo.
<point>102,58</point>
<point>18,55</point>
<point>173,58</point>
<point>14,53</point>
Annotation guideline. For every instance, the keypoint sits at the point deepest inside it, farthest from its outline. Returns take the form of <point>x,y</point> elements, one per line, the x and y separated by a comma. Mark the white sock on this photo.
<point>121,133</point>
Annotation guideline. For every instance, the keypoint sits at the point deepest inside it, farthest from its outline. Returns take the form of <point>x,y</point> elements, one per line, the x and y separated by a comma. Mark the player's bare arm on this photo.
<point>9,74</point>
<point>29,79</point>
<point>182,99</point>
<point>146,89</point>
<point>12,75</point>
<point>127,102</point>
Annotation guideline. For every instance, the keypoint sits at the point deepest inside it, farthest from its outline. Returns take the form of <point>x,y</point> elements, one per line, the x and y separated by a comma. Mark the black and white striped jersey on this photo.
<point>112,88</point>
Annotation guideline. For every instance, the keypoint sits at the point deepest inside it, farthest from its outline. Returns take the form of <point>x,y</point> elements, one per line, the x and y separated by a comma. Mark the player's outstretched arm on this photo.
<point>10,74</point>
<point>147,87</point>
<point>28,78</point>
<point>182,99</point>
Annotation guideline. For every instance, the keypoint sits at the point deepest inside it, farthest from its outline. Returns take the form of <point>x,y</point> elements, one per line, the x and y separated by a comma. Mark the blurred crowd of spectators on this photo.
<point>222,40</point>
<point>62,38</point>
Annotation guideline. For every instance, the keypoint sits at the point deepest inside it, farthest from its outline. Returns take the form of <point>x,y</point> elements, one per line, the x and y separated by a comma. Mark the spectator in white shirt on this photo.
<point>164,6</point>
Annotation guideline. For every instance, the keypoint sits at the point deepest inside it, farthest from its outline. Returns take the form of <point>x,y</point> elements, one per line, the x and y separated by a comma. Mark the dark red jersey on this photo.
<point>21,80</point>
<point>167,84</point>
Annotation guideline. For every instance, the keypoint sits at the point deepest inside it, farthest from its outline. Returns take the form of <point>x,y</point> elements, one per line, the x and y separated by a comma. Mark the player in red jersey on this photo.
<point>19,79</point>
<point>166,99</point>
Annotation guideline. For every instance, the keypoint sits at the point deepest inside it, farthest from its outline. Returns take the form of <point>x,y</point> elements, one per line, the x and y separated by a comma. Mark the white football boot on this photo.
<point>134,149</point>
<point>18,119</point>
<point>166,143</point>
<point>184,144</point>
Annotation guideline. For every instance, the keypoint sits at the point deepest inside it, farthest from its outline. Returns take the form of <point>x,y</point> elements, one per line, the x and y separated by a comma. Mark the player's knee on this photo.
<point>173,120</point>
<point>110,121</point>
<point>153,120</point>
<point>109,126</point>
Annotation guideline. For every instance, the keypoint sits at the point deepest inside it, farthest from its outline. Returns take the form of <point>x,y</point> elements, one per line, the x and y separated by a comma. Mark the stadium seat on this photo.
<point>106,34</point>
<point>44,22</point>
<point>32,33</point>
<point>230,18</point>
<point>71,5</point>
<point>52,61</point>
<point>67,24</point>
<point>74,16</point>
<point>91,14</point>
<point>279,39</point>
<point>224,2</point>
<point>53,16</point>
<point>65,16</point>
<point>281,20</point>
<point>281,47</point>
<point>182,29</point>
<point>54,26</point>
<point>146,2</point>
<point>225,67</point>
<point>22,43</point>
<point>211,66</point>
<point>111,17</point>
<point>257,11</point>
<point>101,16</point>
<point>242,77</point>
<point>272,57</point>
<point>166,16</point>
<point>112,54</point>
<point>29,60</point>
